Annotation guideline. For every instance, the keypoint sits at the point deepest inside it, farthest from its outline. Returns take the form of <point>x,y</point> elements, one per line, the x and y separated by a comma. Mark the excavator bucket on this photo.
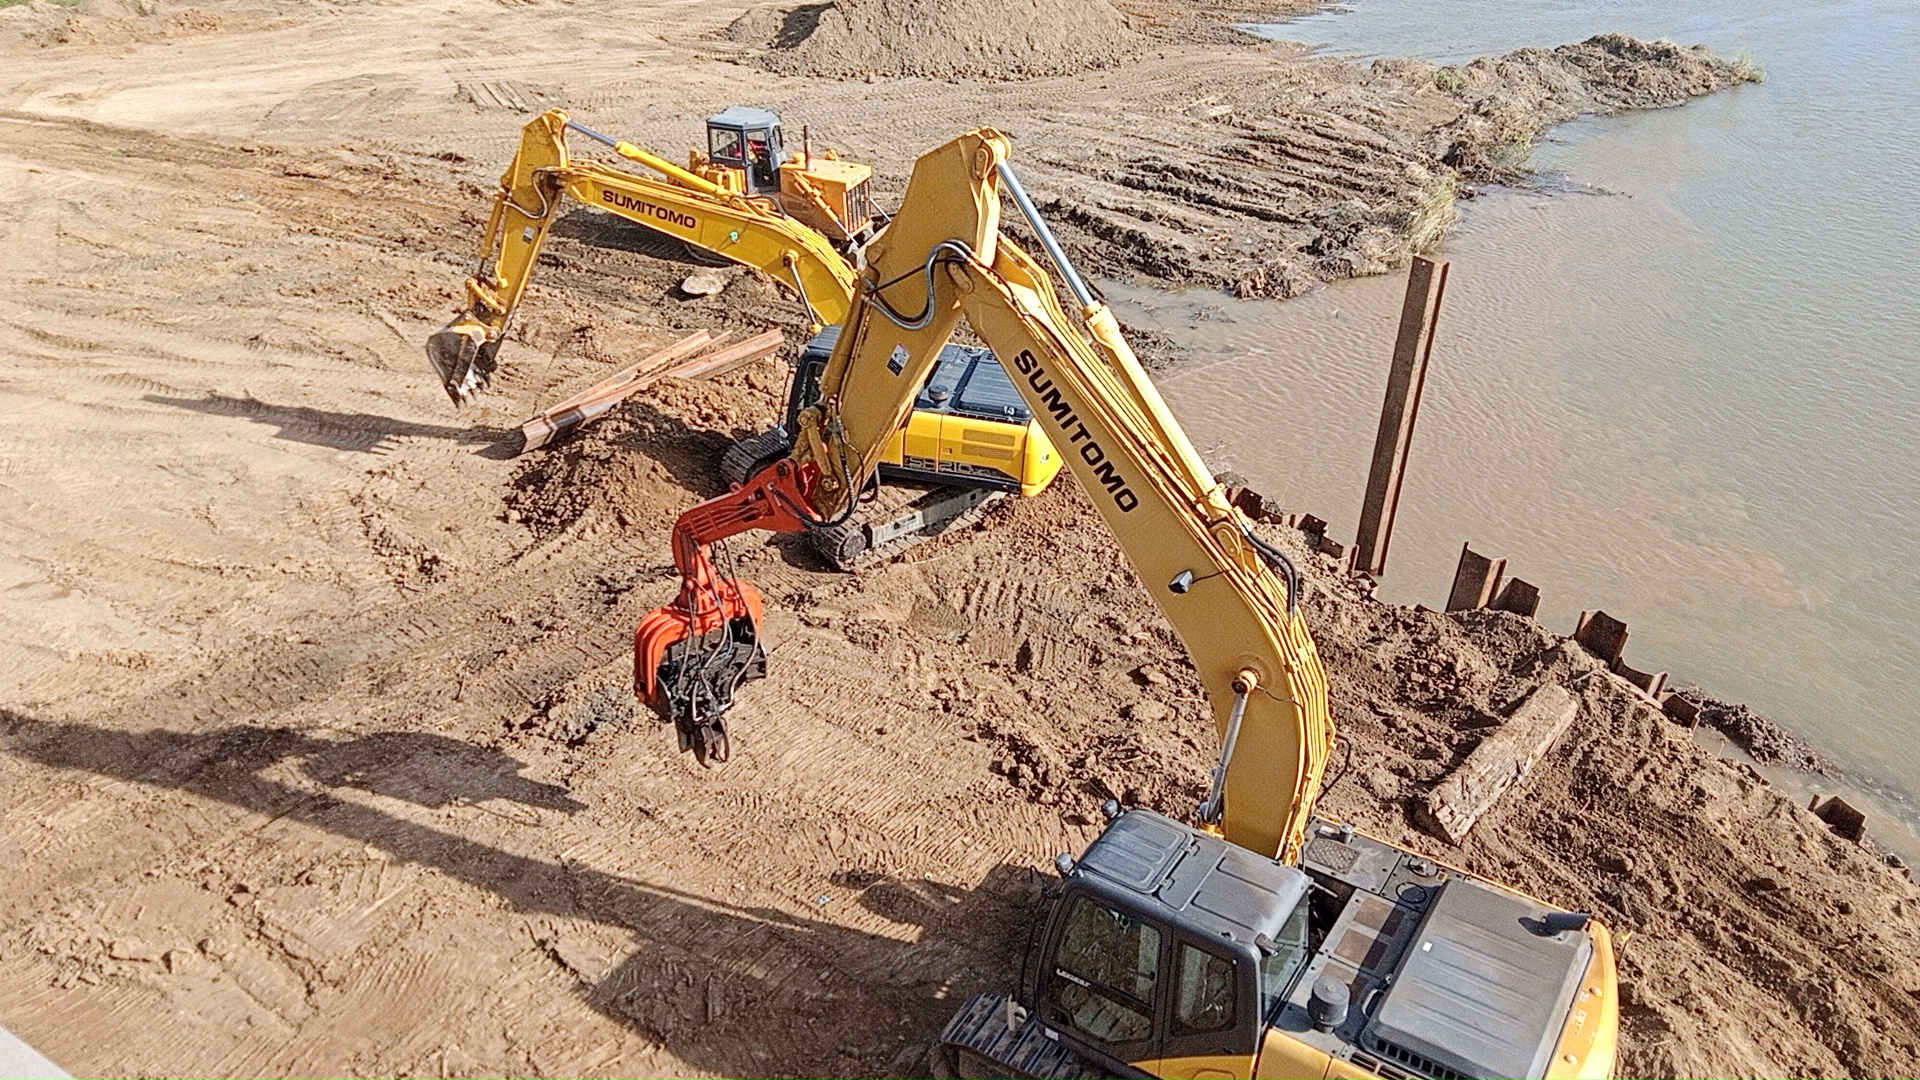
<point>463,356</point>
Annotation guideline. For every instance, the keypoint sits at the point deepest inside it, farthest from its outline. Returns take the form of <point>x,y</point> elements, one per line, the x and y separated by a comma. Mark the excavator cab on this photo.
<point>1170,951</point>
<point>747,154</point>
<point>969,426</point>
<point>747,139</point>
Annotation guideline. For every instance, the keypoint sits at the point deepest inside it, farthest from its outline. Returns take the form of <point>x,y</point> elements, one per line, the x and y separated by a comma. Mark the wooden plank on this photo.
<point>540,430</point>
<point>685,347</point>
<point>1501,761</point>
<point>1419,318</point>
<point>554,424</point>
<point>754,348</point>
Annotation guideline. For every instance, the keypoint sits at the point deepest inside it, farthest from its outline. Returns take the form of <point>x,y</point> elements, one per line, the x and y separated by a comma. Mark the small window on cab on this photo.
<point>1204,992</point>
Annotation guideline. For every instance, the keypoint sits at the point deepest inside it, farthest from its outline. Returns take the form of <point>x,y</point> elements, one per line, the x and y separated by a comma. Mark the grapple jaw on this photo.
<point>463,355</point>
<point>688,666</point>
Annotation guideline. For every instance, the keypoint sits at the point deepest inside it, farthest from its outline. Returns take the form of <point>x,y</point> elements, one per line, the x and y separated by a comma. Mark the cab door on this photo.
<point>1103,984</point>
<point>1209,1032</point>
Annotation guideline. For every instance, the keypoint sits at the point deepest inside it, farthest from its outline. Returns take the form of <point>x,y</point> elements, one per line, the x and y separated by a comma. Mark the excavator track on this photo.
<point>864,542</point>
<point>744,459</point>
<point>857,544</point>
<point>993,1036</point>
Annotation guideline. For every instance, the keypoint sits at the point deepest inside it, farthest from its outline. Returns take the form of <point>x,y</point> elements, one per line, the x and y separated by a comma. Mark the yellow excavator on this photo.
<point>1262,941</point>
<point>805,219</point>
<point>748,199</point>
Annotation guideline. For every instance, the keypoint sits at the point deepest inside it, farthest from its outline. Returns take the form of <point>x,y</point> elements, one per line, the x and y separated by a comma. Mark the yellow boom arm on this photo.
<point>680,204</point>
<point>1232,599</point>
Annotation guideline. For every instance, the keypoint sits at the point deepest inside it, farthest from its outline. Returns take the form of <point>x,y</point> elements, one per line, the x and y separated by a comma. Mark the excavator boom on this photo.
<point>1231,597</point>
<point>679,203</point>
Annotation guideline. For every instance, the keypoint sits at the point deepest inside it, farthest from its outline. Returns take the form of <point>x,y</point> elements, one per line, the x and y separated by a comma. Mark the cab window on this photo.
<point>760,157</point>
<point>724,144</point>
<point>1105,972</point>
<point>1278,967</point>
<point>1203,992</point>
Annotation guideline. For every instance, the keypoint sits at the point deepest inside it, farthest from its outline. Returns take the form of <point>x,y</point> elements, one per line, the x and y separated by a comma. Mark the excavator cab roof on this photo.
<point>748,138</point>
<point>1185,877</point>
<point>744,116</point>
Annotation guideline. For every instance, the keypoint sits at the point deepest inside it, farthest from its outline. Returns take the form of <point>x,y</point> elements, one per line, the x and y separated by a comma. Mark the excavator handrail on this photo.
<point>683,205</point>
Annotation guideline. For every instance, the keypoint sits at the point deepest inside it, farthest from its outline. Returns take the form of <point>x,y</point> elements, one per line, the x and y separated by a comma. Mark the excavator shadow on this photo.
<point>600,229</point>
<point>367,433</point>
<point>729,988</point>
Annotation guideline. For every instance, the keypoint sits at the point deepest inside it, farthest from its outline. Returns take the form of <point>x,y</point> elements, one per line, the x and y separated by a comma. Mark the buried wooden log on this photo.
<point>1502,760</point>
<point>1474,580</point>
<point>1602,635</point>
<point>1519,597</point>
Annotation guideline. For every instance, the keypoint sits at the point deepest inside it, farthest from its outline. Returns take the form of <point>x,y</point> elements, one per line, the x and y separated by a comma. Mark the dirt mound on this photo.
<point>1511,99</point>
<point>991,39</point>
<point>1764,740</point>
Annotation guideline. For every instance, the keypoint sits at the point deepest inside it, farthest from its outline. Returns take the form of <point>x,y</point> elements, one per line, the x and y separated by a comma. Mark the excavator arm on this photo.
<point>1233,598</point>
<point>681,204</point>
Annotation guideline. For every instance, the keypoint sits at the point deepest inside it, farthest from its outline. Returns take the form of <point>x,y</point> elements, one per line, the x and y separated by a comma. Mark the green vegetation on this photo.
<point>1746,70</point>
<point>1449,79</point>
<point>1437,214</point>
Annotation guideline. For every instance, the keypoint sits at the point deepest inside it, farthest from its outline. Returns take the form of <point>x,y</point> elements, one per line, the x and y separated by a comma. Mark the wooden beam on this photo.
<point>1501,761</point>
<point>1474,580</point>
<point>758,347</point>
<point>600,399</point>
<point>1419,317</point>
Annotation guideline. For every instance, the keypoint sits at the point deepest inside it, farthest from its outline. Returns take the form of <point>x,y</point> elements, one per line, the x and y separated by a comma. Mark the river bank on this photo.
<point>316,728</point>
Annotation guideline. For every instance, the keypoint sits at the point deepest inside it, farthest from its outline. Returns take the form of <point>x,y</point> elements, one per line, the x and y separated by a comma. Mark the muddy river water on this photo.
<point>1677,379</point>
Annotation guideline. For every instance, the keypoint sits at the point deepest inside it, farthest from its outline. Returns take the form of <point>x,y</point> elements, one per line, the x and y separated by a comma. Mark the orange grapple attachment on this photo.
<point>691,655</point>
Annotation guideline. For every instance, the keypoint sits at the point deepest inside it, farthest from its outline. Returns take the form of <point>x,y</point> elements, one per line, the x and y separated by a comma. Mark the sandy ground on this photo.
<point>316,746</point>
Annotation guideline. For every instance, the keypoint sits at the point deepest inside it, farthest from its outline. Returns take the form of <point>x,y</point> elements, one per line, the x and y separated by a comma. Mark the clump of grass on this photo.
<point>1449,79</point>
<point>1437,214</point>
<point>1745,70</point>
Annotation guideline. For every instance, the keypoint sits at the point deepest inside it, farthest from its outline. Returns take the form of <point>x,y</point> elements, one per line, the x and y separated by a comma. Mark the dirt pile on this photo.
<point>1755,942</point>
<point>1297,174</point>
<point>1512,99</point>
<point>947,39</point>
<point>316,732</point>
